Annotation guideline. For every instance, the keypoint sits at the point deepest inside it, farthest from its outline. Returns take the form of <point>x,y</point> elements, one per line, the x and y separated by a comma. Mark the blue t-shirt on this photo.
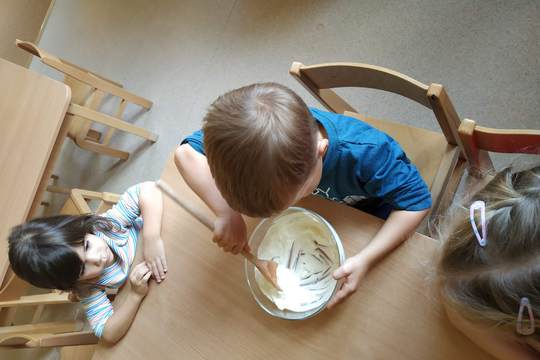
<point>361,163</point>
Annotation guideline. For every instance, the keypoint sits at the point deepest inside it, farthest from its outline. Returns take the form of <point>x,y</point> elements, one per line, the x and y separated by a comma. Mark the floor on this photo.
<point>183,54</point>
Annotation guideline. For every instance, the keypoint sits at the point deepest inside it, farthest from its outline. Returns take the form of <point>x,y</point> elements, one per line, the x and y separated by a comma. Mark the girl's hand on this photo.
<point>139,279</point>
<point>154,255</point>
<point>352,271</point>
<point>230,233</point>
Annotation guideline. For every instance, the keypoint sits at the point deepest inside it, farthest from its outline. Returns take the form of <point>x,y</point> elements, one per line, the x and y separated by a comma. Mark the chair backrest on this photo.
<point>478,140</point>
<point>78,202</point>
<point>320,79</point>
<point>52,336</point>
<point>83,75</point>
<point>88,89</point>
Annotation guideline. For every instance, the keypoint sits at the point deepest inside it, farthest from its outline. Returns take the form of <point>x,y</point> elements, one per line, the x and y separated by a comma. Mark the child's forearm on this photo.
<point>118,324</point>
<point>396,229</point>
<point>151,203</point>
<point>196,172</point>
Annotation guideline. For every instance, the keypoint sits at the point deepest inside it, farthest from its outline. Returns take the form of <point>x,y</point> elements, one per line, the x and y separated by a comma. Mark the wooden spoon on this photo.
<point>267,268</point>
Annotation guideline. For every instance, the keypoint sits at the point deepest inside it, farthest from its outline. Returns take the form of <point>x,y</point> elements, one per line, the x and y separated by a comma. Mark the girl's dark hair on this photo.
<point>41,250</point>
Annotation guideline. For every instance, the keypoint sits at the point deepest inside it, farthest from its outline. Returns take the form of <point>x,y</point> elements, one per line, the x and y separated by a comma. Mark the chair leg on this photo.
<point>93,135</point>
<point>102,149</point>
<point>7,316</point>
<point>119,112</point>
<point>58,189</point>
<point>37,313</point>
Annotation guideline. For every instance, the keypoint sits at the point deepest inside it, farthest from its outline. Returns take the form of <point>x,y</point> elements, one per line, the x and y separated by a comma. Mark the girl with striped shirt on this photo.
<point>88,254</point>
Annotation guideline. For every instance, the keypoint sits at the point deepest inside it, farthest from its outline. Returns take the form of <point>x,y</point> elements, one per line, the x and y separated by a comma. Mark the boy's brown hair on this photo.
<point>260,142</point>
<point>485,284</point>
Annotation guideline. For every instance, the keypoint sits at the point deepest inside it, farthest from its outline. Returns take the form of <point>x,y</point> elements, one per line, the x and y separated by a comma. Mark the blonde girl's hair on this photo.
<point>485,284</point>
<point>260,142</point>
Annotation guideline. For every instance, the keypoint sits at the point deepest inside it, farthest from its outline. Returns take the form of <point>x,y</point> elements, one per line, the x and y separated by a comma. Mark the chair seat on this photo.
<point>428,158</point>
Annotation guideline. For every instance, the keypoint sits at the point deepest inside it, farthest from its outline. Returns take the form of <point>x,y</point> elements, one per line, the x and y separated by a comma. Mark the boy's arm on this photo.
<point>390,176</point>
<point>120,321</point>
<point>396,229</point>
<point>229,227</point>
<point>151,203</point>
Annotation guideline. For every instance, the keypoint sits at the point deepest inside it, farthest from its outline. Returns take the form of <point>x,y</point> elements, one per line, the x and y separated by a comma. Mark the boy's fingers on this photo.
<point>340,273</point>
<point>235,249</point>
<point>227,247</point>
<point>146,277</point>
<point>339,297</point>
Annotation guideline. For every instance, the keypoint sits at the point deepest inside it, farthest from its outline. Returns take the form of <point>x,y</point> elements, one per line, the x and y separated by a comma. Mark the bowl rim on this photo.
<point>341,253</point>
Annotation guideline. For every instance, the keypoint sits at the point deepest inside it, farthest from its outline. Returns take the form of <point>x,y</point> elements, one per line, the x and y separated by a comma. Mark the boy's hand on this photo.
<point>230,232</point>
<point>154,255</point>
<point>139,279</point>
<point>352,271</point>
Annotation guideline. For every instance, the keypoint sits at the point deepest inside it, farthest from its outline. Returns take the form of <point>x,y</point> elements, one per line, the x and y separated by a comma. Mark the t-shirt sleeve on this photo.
<point>196,141</point>
<point>98,309</point>
<point>127,210</point>
<point>388,174</point>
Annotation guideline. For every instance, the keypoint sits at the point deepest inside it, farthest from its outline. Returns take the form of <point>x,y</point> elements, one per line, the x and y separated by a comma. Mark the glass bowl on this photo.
<point>334,247</point>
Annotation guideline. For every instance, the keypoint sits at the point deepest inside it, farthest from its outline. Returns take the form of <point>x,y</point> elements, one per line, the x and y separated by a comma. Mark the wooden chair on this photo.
<point>42,334</point>
<point>478,140</point>
<point>88,91</point>
<point>436,155</point>
<point>78,202</point>
<point>57,333</point>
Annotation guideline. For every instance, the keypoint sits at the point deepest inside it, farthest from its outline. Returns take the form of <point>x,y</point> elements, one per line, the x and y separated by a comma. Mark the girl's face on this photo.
<point>95,255</point>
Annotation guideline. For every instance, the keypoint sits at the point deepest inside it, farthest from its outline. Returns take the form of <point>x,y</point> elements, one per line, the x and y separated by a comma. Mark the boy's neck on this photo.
<point>321,135</point>
<point>322,132</point>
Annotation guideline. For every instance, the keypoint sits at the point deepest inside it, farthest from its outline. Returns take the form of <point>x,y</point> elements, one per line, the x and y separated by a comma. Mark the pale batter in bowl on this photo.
<point>307,251</point>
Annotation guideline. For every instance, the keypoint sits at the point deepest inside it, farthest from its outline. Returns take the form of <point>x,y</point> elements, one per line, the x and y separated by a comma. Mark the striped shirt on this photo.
<point>123,244</point>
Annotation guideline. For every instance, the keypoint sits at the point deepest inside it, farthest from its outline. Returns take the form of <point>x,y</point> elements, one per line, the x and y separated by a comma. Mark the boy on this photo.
<point>262,149</point>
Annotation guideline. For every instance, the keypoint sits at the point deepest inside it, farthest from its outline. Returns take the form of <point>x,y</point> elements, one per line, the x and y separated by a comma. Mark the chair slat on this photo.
<point>478,140</point>
<point>337,75</point>
<point>507,141</point>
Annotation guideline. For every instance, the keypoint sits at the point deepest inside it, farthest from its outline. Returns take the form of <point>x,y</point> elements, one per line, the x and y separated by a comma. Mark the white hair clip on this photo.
<point>520,329</point>
<point>480,205</point>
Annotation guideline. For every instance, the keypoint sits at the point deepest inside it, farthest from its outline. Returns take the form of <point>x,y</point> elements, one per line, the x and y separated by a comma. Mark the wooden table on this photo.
<point>32,129</point>
<point>204,310</point>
